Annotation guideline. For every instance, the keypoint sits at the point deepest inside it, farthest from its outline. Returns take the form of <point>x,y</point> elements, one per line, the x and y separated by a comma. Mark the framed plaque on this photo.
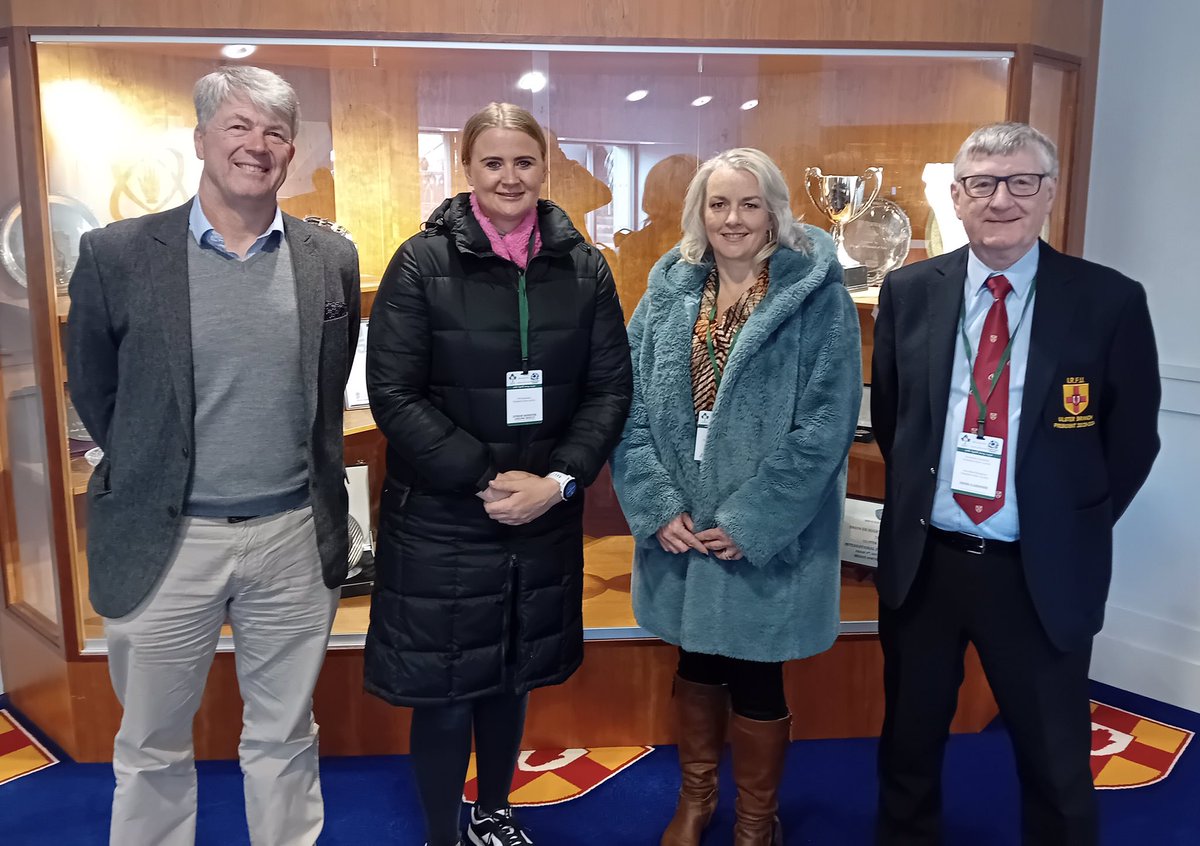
<point>860,532</point>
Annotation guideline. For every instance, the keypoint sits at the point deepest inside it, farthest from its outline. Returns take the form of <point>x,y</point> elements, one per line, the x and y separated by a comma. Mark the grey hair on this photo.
<point>267,91</point>
<point>786,230</point>
<point>1005,139</point>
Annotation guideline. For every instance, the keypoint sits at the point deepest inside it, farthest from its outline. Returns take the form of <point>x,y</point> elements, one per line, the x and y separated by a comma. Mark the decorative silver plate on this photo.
<point>358,543</point>
<point>879,238</point>
<point>69,219</point>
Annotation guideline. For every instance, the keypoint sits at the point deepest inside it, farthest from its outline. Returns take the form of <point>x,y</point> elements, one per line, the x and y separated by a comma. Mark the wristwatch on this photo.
<point>566,484</point>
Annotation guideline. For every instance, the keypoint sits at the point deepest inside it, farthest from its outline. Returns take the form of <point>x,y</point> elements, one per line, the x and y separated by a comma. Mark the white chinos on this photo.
<point>264,574</point>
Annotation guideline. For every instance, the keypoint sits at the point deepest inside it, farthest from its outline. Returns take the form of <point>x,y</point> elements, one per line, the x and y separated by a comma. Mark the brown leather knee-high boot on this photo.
<point>701,714</point>
<point>759,748</point>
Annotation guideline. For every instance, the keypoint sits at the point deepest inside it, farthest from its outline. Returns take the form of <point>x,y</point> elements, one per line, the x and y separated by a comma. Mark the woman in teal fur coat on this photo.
<point>746,327</point>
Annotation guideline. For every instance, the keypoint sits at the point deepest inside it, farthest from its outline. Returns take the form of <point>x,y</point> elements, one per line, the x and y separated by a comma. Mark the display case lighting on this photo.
<point>237,51</point>
<point>533,81</point>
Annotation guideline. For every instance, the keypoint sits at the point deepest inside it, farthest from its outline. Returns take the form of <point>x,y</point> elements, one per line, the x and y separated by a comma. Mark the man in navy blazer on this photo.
<point>1015,396</point>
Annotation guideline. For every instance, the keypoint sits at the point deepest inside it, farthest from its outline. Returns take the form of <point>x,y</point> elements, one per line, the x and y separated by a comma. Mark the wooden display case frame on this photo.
<point>621,695</point>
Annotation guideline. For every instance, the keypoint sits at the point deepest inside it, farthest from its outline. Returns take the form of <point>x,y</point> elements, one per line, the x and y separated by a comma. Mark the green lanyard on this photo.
<point>708,337</point>
<point>523,302</point>
<point>980,400</point>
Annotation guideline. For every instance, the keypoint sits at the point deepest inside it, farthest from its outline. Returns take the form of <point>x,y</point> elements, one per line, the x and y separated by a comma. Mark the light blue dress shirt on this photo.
<point>209,238</point>
<point>948,514</point>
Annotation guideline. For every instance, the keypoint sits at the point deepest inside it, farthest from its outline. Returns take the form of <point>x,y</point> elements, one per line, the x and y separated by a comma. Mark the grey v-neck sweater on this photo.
<point>250,426</point>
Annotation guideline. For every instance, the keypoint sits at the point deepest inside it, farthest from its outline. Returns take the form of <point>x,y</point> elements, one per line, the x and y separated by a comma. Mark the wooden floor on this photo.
<point>606,599</point>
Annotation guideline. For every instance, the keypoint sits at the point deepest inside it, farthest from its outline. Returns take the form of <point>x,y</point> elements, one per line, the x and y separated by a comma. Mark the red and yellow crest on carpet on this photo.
<point>1075,397</point>
<point>546,777</point>
<point>1132,751</point>
<point>20,754</point>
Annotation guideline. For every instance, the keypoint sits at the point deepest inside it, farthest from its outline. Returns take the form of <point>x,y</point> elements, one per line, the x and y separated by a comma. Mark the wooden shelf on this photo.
<point>355,422</point>
<point>81,472</point>
<point>607,603</point>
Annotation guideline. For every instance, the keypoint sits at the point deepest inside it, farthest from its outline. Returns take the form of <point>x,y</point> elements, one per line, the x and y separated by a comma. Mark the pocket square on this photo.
<point>335,310</point>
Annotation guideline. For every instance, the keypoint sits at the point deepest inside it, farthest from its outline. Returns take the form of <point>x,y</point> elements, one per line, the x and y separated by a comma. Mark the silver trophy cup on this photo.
<point>842,199</point>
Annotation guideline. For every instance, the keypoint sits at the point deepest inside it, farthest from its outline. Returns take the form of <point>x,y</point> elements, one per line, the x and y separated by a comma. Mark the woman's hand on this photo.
<point>676,536</point>
<point>717,541</point>
<point>490,494</point>
<point>526,497</point>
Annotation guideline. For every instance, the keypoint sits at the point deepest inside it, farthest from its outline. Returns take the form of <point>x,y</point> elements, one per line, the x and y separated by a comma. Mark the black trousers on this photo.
<point>440,741</point>
<point>755,687</point>
<point>960,597</point>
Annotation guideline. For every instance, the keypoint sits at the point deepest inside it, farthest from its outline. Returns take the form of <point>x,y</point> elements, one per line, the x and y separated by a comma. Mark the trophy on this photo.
<point>879,238</point>
<point>842,199</point>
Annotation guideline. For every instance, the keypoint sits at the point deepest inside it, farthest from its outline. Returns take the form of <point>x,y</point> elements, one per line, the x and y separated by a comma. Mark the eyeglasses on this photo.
<point>1019,184</point>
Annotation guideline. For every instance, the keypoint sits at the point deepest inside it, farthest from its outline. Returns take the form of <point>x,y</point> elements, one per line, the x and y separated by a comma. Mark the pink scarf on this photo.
<point>515,245</point>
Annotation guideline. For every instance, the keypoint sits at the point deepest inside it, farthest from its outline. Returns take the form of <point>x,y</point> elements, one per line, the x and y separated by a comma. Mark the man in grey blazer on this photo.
<point>209,351</point>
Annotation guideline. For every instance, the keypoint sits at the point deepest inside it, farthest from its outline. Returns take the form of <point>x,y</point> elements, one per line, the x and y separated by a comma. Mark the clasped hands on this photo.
<point>680,535</point>
<point>515,497</point>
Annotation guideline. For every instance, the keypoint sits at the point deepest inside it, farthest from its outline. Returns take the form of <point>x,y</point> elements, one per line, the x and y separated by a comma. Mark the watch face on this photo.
<point>569,489</point>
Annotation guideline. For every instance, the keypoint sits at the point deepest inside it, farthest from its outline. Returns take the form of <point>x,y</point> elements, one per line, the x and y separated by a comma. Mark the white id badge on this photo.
<point>703,419</point>
<point>523,397</point>
<point>977,465</point>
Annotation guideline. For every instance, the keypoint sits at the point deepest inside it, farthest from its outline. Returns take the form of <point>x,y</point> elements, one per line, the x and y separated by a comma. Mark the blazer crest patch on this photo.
<point>1076,394</point>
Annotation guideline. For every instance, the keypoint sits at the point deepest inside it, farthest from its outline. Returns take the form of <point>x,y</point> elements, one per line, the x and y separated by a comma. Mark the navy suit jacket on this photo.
<point>1076,472</point>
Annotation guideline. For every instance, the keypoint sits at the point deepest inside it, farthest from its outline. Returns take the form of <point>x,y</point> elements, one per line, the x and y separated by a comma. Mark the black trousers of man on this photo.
<point>962,597</point>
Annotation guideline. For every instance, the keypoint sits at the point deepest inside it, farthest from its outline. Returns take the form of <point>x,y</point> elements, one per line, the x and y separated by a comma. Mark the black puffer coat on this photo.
<point>465,606</point>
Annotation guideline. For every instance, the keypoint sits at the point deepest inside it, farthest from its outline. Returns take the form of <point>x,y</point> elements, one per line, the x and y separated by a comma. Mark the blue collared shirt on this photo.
<point>948,514</point>
<point>209,238</point>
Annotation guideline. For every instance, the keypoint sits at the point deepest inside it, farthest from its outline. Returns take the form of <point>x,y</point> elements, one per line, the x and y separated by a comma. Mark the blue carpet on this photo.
<point>827,799</point>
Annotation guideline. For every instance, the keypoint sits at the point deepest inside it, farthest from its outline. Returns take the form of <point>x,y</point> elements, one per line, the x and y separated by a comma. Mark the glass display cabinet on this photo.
<point>103,132</point>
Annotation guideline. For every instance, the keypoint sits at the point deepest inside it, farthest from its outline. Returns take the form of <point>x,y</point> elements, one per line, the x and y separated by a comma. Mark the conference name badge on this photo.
<point>703,421</point>
<point>977,465</point>
<point>1076,396</point>
<point>523,397</point>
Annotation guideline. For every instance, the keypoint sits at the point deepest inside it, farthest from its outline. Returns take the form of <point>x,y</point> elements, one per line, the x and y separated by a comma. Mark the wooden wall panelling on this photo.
<point>375,123</point>
<point>1081,147</point>
<point>621,696</point>
<point>1054,23</point>
<point>36,680</point>
<point>1054,109</point>
<point>1020,85</point>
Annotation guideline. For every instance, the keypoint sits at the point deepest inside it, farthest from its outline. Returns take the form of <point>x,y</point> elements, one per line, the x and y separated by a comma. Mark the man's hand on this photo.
<point>718,542</point>
<point>676,536</point>
<point>526,497</point>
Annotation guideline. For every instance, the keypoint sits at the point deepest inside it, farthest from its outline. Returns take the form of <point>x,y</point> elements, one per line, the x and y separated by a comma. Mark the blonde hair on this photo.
<point>786,230</point>
<point>500,116</point>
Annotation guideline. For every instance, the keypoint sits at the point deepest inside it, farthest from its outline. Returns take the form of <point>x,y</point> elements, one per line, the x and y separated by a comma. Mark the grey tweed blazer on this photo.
<point>129,365</point>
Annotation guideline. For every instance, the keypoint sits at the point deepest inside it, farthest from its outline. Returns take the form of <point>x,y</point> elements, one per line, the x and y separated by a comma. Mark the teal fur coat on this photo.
<point>774,469</point>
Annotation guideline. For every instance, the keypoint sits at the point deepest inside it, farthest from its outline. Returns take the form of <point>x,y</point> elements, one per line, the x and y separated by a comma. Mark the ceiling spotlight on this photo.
<point>534,81</point>
<point>702,101</point>
<point>237,51</point>
<point>748,105</point>
<point>634,96</point>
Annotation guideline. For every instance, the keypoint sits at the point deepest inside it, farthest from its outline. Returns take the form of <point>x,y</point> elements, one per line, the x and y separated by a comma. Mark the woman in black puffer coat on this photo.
<point>480,550</point>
